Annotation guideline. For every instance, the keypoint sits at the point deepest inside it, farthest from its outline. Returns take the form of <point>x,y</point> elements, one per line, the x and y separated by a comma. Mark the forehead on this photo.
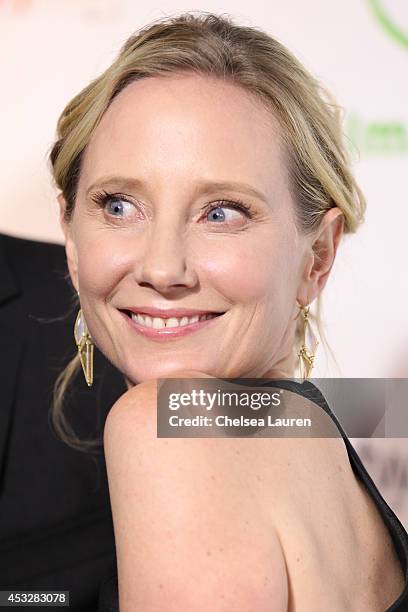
<point>170,128</point>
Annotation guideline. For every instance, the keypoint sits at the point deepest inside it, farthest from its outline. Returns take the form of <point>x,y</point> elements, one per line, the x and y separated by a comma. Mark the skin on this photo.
<point>164,250</point>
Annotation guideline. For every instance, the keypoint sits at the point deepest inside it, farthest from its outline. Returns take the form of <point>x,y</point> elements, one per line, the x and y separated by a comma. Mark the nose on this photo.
<point>164,263</point>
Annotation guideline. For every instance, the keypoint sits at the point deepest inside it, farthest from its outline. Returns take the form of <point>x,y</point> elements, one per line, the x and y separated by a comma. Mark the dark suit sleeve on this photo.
<point>109,595</point>
<point>56,530</point>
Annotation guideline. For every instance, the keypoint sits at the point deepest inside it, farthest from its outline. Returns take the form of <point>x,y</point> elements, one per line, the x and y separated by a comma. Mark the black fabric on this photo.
<point>56,530</point>
<point>109,595</point>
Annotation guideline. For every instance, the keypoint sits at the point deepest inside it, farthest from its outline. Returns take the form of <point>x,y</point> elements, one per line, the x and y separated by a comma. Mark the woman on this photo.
<point>204,192</point>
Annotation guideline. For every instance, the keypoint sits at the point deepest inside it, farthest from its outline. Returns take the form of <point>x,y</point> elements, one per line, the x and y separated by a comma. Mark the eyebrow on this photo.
<point>203,187</point>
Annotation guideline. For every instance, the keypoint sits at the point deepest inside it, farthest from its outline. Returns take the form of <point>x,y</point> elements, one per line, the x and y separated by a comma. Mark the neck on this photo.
<point>284,368</point>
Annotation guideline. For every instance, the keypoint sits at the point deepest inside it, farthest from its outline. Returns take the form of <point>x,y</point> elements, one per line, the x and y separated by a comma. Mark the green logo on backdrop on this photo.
<point>376,137</point>
<point>393,17</point>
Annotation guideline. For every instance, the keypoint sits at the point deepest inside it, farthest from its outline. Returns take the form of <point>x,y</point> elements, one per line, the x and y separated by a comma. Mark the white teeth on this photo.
<point>159,323</point>
<point>173,322</point>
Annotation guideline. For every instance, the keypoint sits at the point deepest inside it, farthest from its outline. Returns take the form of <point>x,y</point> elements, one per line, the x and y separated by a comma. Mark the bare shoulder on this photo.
<point>294,506</point>
<point>193,512</point>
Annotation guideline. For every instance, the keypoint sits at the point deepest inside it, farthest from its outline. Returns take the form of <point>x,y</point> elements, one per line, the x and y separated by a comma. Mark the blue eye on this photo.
<point>220,216</point>
<point>114,205</point>
<point>217,216</point>
<point>117,207</point>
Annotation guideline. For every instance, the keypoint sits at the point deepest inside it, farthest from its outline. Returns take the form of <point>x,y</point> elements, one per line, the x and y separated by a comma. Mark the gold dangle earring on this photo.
<point>309,344</point>
<point>85,347</point>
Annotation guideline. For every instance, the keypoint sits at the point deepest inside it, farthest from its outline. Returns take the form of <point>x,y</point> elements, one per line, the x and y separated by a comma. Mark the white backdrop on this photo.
<point>358,48</point>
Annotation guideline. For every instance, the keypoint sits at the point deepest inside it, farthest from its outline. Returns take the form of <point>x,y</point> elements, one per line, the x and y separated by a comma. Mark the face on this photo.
<point>183,203</point>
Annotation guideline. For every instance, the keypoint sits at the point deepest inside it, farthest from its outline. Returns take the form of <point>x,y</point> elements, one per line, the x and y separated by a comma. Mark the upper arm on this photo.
<point>191,527</point>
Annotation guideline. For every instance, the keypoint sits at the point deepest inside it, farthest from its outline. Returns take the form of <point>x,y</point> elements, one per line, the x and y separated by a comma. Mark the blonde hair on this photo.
<point>213,45</point>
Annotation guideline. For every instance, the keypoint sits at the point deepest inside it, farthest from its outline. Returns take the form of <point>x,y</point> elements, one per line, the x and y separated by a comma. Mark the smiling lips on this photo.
<point>163,324</point>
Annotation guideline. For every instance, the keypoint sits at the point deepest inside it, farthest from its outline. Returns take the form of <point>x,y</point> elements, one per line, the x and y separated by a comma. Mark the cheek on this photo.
<point>102,260</point>
<point>265,268</point>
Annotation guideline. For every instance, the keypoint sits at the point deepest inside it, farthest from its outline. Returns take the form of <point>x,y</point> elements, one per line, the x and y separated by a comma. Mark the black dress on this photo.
<point>108,595</point>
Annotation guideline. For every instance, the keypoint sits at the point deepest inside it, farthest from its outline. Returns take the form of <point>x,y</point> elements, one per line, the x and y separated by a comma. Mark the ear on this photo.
<point>321,254</point>
<point>70,248</point>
